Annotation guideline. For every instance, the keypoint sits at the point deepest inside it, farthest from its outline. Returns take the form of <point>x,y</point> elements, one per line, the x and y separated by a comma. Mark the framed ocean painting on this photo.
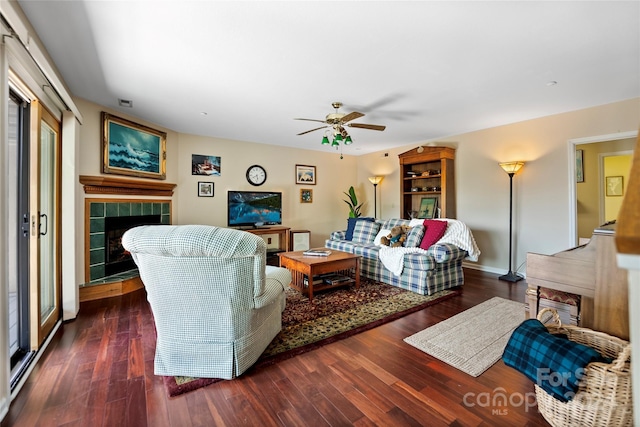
<point>133,149</point>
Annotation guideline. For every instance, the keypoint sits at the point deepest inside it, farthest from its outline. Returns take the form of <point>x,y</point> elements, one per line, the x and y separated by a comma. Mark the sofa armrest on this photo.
<point>446,252</point>
<point>338,235</point>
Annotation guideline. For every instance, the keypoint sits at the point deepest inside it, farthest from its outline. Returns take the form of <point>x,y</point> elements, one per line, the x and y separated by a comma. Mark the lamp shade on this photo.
<point>325,140</point>
<point>375,180</point>
<point>348,140</point>
<point>512,167</point>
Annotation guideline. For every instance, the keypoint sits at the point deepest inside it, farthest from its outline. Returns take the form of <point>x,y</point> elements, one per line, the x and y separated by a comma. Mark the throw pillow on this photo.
<point>414,236</point>
<point>365,231</point>
<point>382,232</point>
<point>434,230</point>
<point>351,225</point>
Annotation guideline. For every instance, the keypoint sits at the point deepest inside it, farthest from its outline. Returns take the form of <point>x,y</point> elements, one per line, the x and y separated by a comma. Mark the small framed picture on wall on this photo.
<point>205,189</point>
<point>306,195</point>
<point>615,186</point>
<point>305,174</point>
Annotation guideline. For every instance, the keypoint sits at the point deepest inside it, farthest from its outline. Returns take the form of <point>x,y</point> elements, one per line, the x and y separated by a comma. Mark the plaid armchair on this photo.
<point>215,304</point>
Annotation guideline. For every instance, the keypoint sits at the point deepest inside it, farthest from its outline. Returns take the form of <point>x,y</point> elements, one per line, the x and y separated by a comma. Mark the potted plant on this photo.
<point>354,207</point>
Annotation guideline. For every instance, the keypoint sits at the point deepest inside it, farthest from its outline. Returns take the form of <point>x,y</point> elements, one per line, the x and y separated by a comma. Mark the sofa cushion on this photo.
<point>367,251</point>
<point>365,231</point>
<point>390,223</point>
<point>434,230</point>
<point>414,236</point>
<point>351,225</point>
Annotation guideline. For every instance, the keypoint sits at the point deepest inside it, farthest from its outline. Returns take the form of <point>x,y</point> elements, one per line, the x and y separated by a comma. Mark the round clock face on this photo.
<point>256,175</point>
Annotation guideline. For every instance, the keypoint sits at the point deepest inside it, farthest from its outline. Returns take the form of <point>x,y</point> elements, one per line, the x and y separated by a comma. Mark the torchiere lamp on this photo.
<point>511,168</point>
<point>375,180</point>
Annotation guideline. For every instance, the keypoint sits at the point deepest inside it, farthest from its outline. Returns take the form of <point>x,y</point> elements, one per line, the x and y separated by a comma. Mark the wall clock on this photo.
<point>256,175</point>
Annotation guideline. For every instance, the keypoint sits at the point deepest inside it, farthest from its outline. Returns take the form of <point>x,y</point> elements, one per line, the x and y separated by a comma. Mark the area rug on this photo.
<point>333,315</point>
<point>472,341</point>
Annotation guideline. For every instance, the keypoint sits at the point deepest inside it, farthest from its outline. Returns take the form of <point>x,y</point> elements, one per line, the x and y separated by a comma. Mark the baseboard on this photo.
<point>487,269</point>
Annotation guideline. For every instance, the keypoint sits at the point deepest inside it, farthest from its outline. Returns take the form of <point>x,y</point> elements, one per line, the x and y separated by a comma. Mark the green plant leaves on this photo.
<point>354,207</point>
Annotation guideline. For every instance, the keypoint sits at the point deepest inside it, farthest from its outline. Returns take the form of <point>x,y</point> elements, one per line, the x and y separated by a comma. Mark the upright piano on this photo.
<point>590,271</point>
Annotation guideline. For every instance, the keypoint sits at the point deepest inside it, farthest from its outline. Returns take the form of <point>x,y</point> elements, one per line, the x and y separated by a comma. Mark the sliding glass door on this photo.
<point>34,275</point>
<point>18,232</point>
<point>45,276</point>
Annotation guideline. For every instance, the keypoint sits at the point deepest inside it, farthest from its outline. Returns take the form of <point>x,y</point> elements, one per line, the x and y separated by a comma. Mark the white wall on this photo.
<point>541,189</point>
<point>326,213</point>
<point>542,202</point>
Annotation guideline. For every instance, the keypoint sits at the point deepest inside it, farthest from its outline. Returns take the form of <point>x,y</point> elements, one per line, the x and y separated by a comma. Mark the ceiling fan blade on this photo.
<point>351,116</point>
<point>365,126</point>
<point>322,127</point>
<point>313,120</point>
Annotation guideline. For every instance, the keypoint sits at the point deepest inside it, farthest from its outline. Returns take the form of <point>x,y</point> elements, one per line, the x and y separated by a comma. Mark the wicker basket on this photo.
<point>604,393</point>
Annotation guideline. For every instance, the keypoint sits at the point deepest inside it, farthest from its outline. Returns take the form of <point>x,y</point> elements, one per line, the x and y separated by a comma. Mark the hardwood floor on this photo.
<point>98,371</point>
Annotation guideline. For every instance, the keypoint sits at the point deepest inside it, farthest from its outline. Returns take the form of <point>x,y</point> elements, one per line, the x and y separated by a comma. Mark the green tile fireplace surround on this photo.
<point>97,210</point>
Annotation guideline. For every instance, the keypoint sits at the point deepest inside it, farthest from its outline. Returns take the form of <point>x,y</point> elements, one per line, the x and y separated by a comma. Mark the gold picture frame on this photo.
<point>306,195</point>
<point>132,149</point>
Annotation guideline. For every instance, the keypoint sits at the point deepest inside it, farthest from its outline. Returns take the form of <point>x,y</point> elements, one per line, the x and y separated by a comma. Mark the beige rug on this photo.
<point>473,340</point>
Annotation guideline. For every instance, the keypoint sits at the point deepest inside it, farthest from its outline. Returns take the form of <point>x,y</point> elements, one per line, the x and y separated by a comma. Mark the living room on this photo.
<point>544,191</point>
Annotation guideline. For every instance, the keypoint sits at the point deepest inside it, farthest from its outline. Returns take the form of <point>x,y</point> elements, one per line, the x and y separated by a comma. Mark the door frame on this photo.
<point>573,195</point>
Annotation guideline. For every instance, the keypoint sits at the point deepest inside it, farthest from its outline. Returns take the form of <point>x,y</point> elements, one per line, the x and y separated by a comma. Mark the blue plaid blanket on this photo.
<point>553,362</point>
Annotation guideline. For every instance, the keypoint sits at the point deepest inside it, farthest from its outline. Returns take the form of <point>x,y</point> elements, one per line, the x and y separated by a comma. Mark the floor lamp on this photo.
<point>375,180</point>
<point>511,168</point>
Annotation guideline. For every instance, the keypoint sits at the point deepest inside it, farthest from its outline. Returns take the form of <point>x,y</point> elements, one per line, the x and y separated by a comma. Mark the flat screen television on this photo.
<point>254,208</point>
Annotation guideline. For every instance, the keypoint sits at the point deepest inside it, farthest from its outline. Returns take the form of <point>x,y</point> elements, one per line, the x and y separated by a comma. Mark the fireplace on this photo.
<point>117,259</point>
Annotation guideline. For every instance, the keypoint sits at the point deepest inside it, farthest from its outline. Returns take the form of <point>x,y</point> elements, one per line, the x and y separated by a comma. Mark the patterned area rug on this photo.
<point>333,315</point>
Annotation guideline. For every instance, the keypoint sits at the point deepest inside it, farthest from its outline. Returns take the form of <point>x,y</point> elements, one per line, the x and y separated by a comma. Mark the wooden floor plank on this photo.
<point>98,371</point>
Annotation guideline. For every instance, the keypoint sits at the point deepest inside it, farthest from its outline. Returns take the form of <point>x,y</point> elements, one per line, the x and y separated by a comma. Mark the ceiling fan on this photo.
<point>338,121</point>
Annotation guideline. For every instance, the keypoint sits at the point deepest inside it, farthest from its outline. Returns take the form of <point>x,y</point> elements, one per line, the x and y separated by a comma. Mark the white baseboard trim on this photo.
<point>487,269</point>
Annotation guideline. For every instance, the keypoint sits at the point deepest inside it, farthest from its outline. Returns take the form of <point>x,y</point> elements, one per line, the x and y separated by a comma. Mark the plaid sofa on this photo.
<point>215,303</point>
<point>424,273</point>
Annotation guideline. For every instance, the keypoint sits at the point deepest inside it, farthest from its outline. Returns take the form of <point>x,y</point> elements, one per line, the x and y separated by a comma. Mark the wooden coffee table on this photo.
<point>311,266</point>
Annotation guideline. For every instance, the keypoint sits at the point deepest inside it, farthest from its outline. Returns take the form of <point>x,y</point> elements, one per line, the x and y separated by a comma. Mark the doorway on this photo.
<point>33,264</point>
<point>589,197</point>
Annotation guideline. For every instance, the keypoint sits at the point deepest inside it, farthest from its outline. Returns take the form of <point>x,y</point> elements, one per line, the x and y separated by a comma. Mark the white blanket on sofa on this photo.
<point>393,258</point>
<point>459,234</point>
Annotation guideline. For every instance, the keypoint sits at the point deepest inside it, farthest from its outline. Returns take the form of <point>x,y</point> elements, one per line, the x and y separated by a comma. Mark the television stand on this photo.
<point>281,243</point>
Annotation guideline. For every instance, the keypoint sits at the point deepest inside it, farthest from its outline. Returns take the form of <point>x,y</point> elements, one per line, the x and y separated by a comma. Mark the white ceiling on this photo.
<point>425,69</point>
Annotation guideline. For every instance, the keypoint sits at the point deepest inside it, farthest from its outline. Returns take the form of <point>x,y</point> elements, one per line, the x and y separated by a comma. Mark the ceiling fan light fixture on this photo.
<point>338,138</point>
<point>325,140</point>
<point>348,140</point>
<point>335,143</point>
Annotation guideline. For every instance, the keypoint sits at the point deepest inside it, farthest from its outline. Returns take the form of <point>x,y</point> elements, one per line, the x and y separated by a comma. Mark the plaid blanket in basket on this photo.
<point>553,362</point>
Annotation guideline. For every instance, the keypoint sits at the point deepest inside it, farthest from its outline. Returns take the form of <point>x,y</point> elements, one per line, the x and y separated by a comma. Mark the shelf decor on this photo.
<point>428,172</point>
<point>428,206</point>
